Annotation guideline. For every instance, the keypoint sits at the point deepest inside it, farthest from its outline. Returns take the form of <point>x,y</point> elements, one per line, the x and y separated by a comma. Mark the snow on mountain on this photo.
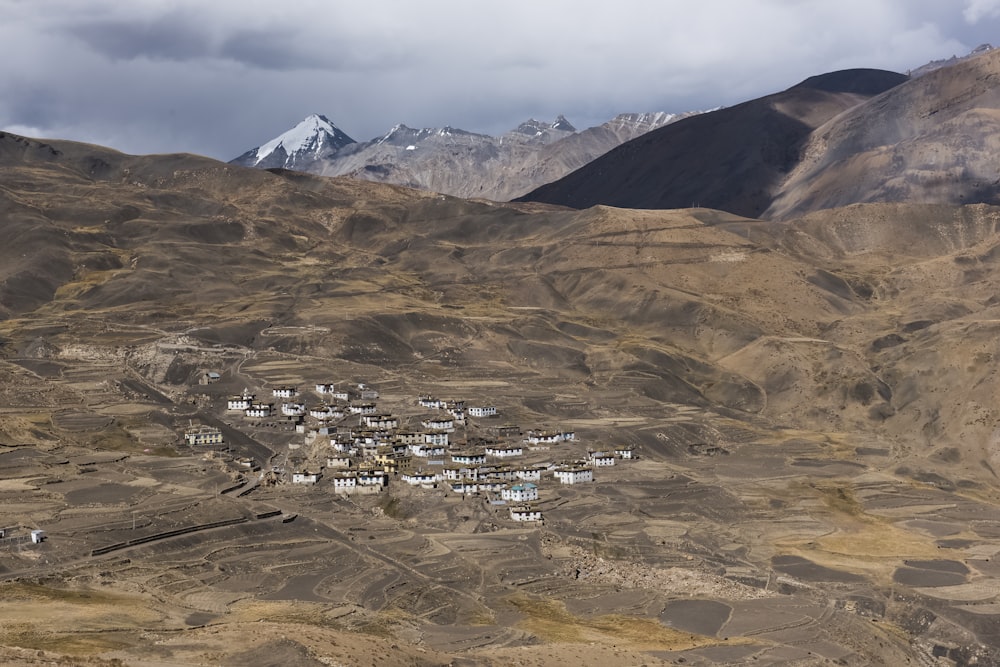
<point>553,131</point>
<point>307,142</point>
<point>450,160</point>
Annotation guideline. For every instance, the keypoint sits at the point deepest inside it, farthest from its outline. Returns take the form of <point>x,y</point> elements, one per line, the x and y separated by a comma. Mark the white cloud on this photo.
<point>977,10</point>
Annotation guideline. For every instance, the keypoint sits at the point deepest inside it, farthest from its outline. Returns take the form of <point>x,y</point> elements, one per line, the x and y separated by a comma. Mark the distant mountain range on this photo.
<point>855,136</point>
<point>450,160</point>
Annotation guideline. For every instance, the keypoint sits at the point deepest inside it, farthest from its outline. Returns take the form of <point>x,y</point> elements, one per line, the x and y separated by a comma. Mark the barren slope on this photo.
<point>813,404</point>
<point>733,159</point>
<point>931,140</point>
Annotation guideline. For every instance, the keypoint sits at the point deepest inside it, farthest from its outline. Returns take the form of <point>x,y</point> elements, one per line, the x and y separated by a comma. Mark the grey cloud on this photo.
<point>168,38</point>
<point>218,78</point>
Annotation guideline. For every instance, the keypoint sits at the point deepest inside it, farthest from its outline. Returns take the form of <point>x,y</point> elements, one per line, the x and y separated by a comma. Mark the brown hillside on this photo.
<point>932,140</point>
<point>732,159</point>
<point>812,405</point>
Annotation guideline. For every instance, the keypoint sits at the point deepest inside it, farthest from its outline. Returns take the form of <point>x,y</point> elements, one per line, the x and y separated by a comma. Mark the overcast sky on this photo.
<point>219,77</point>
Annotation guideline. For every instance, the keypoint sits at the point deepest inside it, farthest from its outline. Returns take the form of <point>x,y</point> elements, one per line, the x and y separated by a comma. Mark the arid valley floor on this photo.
<point>812,405</point>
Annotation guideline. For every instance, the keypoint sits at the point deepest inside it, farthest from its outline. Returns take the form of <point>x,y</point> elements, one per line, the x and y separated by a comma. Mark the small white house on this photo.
<point>326,413</point>
<point>203,435</point>
<point>549,437</point>
<point>293,409</point>
<point>420,478</point>
<point>482,411</point>
<point>438,424</point>
<point>574,475</point>
<point>432,403</point>
<point>520,493</point>
<point>284,392</point>
<point>343,482</point>
<point>37,536</point>
<point>427,451</point>
<point>258,410</point>
<point>382,421</point>
<point>625,453</point>
<point>373,478</point>
<point>305,477</point>
<point>525,514</point>
<point>468,458</point>
<point>601,459</point>
<point>239,403</point>
<point>436,438</point>
<point>456,473</point>
<point>362,408</point>
<point>528,474</point>
<point>504,451</point>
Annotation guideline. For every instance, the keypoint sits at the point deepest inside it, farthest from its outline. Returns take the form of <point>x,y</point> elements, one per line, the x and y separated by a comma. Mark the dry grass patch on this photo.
<point>859,542</point>
<point>70,621</point>
<point>550,621</point>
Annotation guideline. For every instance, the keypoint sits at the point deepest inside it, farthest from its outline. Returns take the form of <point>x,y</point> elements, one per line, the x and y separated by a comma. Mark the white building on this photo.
<point>258,410</point>
<point>427,451</point>
<point>293,409</point>
<point>525,514</point>
<point>456,473</point>
<point>438,424</point>
<point>574,475</point>
<point>373,478</point>
<point>343,482</point>
<point>362,408</point>
<point>240,403</point>
<point>483,411</point>
<point>326,413</point>
<point>284,392</point>
<point>420,478</point>
<point>468,458</point>
<point>432,403</point>
<point>203,435</point>
<point>504,451</point>
<point>305,477</point>
<point>380,421</point>
<point>528,474</point>
<point>625,453</point>
<point>601,459</point>
<point>436,438</point>
<point>520,493</point>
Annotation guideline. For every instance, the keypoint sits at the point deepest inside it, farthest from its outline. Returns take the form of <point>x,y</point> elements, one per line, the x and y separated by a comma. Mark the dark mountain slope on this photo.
<point>731,159</point>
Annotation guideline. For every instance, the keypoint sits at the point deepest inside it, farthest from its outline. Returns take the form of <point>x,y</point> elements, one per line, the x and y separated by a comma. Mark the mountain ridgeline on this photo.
<point>853,136</point>
<point>450,160</point>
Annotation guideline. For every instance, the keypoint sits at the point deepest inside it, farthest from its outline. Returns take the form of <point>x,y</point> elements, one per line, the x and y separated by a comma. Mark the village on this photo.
<point>347,445</point>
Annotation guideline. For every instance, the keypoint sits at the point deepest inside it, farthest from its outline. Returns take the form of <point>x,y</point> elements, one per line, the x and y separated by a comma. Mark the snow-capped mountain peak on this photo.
<point>537,128</point>
<point>308,140</point>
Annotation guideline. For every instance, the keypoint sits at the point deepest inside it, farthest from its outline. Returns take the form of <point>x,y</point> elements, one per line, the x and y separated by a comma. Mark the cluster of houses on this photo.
<point>364,455</point>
